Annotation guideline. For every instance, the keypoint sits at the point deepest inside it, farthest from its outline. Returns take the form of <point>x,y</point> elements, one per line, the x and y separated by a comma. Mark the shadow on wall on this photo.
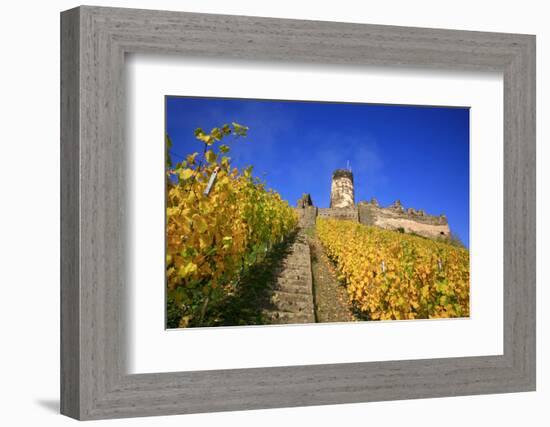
<point>52,405</point>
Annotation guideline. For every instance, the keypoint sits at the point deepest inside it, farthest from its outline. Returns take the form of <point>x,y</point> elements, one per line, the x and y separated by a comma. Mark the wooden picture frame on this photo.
<point>94,382</point>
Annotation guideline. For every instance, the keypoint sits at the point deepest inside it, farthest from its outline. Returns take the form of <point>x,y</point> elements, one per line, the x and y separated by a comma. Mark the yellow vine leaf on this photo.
<point>392,275</point>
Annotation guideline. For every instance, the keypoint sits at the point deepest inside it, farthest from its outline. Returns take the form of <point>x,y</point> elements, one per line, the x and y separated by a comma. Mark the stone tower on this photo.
<point>342,194</point>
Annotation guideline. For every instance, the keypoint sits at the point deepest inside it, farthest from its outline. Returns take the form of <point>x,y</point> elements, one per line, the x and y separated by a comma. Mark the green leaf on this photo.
<point>227,242</point>
<point>224,148</point>
<point>201,136</point>
<point>207,139</point>
<point>240,130</point>
<point>188,252</point>
<point>216,134</point>
<point>248,171</point>
<point>192,157</point>
<point>210,156</point>
<point>225,161</point>
<point>168,147</point>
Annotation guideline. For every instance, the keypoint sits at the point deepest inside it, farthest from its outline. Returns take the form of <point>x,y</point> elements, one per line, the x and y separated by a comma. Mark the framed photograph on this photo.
<point>261,213</point>
<point>238,254</point>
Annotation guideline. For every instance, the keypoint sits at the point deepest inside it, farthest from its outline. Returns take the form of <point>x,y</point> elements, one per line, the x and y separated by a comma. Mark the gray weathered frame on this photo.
<point>94,41</point>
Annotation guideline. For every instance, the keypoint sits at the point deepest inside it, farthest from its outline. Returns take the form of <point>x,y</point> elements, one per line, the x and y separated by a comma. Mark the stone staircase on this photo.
<point>291,300</point>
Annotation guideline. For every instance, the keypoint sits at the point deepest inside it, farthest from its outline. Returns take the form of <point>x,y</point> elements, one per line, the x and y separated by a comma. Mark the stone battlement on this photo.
<point>351,213</point>
<point>393,217</point>
<point>409,220</point>
<point>396,210</point>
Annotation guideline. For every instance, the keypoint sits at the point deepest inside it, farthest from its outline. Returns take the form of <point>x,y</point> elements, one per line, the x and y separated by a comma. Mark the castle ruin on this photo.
<point>342,194</point>
<point>394,217</point>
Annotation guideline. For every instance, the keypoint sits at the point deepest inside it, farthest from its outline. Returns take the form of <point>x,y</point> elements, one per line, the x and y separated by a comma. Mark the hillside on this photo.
<point>393,275</point>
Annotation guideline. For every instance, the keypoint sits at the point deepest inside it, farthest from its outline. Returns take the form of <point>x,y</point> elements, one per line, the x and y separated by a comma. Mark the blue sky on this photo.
<point>419,155</point>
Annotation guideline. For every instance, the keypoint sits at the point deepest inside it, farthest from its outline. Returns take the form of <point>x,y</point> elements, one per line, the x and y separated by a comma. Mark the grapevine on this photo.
<point>215,233</point>
<point>390,275</point>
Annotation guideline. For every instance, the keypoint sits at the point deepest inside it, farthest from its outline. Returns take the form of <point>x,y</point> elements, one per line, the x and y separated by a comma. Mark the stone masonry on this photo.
<point>342,193</point>
<point>396,217</point>
<point>393,217</point>
<point>291,297</point>
<point>291,300</point>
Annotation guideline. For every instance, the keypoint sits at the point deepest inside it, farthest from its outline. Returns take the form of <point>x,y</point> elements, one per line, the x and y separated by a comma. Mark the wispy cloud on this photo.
<point>333,151</point>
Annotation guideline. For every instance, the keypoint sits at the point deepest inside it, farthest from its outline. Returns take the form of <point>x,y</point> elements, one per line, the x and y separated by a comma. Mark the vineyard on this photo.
<point>392,275</point>
<point>220,223</point>
<point>238,254</point>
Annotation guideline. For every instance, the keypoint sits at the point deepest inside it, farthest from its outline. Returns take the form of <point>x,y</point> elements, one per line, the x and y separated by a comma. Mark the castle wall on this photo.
<point>306,216</point>
<point>394,218</point>
<point>351,213</point>
<point>387,218</point>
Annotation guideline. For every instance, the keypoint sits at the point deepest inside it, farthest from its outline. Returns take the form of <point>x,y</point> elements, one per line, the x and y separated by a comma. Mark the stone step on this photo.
<point>296,264</point>
<point>297,249</point>
<point>300,268</point>
<point>283,317</point>
<point>288,301</point>
<point>293,289</point>
<point>294,274</point>
<point>296,260</point>
<point>293,302</point>
<point>304,281</point>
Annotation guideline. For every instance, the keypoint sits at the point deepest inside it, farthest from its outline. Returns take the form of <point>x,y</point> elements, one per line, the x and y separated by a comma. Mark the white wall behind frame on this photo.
<point>30,108</point>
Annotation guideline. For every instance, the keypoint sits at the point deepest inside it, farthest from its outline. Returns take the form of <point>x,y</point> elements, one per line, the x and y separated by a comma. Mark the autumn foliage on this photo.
<point>391,275</point>
<point>219,222</point>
